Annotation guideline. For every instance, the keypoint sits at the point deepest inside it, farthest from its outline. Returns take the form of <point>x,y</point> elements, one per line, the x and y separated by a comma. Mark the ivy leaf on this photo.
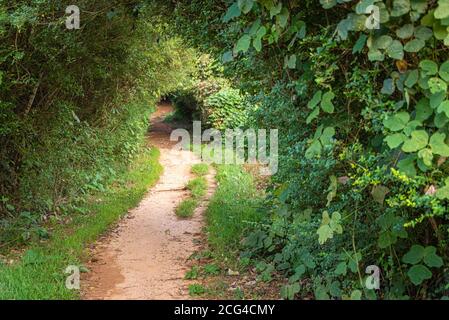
<point>395,50</point>
<point>397,122</point>
<point>327,136</point>
<point>314,150</point>
<point>417,141</point>
<point>426,156</point>
<point>233,12</point>
<point>275,9</point>
<point>360,43</point>
<point>356,295</point>
<point>243,44</point>
<point>405,32</point>
<point>431,258</point>
<point>291,61</point>
<point>437,85</point>
<point>444,107</point>
<point>315,99</point>
<point>412,78</point>
<point>414,255</point>
<point>326,102</point>
<point>418,274</point>
<point>388,87</point>
<point>428,67</point>
<point>423,33</point>
<point>400,7</point>
<point>327,4</point>
<point>282,18</point>
<point>313,115</point>
<point>443,9</point>
<point>342,269</point>
<point>407,166</point>
<point>415,45</point>
<point>227,57</point>
<point>395,140</point>
<point>444,71</point>
<point>443,192</point>
<point>324,233</point>
<point>257,42</point>
<point>423,110</point>
<point>379,192</point>
<point>436,99</point>
<point>438,145</point>
<point>245,5</point>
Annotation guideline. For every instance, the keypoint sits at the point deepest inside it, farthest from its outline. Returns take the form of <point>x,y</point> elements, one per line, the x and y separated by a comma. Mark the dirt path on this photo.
<point>146,256</point>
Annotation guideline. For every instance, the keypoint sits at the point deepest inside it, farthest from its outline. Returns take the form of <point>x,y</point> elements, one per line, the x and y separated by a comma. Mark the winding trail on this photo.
<point>146,255</point>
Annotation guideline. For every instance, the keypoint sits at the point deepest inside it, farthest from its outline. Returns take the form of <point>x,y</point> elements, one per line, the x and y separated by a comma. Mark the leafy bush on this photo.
<point>225,109</point>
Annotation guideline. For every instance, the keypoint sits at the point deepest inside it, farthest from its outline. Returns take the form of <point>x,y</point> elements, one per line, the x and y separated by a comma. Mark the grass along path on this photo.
<point>39,274</point>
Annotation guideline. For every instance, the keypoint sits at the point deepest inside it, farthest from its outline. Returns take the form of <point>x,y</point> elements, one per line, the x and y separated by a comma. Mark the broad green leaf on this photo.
<point>245,5</point>
<point>313,115</point>
<point>324,233</point>
<point>405,32</point>
<point>257,41</point>
<point>443,192</point>
<point>407,166</point>
<point>341,269</point>
<point>356,295</point>
<point>243,44</point>
<point>436,99</point>
<point>395,50</point>
<point>444,107</point>
<point>414,255</point>
<point>388,87</point>
<point>327,4</point>
<point>444,71</point>
<point>419,273</point>
<point>412,78</point>
<point>360,44</point>
<point>395,140</point>
<point>400,7</point>
<point>437,85</point>
<point>315,99</point>
<point>233,12</point>
<point>414,46</point>
<point>383,42</point>
<point>431,258</point>
<point>428,67</point>
<point>386,239</point>
<point>438,145</point>
<point>227,57</point>
<point>291,61</point>
<point>426,156</point>
<point>379,192</point>
<point>326,102</point>
<point>440,120</point>
<point>375,55</point>
<point>275,9</point>
<point>282,18</point>
<point>423,33</point>
<point>423,110</point>
<point>327,136</point>
<point>417,141</point>
<point>314,150</point>
<point>397,121</point>
<point>442,11</point>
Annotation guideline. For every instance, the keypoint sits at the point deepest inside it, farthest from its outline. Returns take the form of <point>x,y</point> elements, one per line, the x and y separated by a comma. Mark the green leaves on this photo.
<point>438,145</point>
<point>326,102</point>
<point>428,67</point>
<point>321,139</point>
<point>397,122</point>
<point>400,7</point>
<point>442,11</point>
<point>245,5</point>
<point>242,44</point>
<point>417,141</point>
<point>233,12</point>
<point>419,272</point>
<point>329,226</point>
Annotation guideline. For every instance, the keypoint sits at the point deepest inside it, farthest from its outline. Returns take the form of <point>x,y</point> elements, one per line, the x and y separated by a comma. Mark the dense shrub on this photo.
<point>74,104</point>
<point>363,128</point>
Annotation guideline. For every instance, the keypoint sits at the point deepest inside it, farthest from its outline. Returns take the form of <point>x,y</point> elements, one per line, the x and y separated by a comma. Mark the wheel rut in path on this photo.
<point>146,255</point>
